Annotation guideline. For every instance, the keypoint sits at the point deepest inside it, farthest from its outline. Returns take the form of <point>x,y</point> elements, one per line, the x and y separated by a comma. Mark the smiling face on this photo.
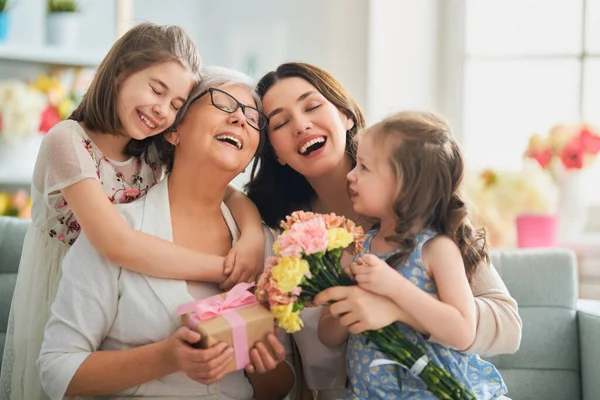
<point>148,100</point>
<point>373,184</point>
<point>212,136</point>
<point>306,130</point>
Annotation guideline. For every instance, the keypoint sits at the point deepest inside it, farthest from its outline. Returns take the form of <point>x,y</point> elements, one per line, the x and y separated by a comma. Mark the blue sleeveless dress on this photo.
<point>382,382</point>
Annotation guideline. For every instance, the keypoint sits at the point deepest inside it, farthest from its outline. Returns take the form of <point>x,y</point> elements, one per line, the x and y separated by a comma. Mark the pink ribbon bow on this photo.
<point>211,307</point>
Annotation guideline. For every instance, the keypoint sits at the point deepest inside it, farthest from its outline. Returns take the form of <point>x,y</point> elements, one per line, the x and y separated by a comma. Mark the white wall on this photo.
<point>255,37</point>
<point>383,51</point>
<point>28,23</point>
<point>403,56</point>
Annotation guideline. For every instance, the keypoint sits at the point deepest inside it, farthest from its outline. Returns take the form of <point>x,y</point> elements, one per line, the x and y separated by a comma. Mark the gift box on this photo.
<point>234,318</point>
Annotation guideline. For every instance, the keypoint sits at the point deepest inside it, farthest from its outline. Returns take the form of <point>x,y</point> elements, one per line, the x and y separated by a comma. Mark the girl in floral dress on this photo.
<point>88,163</point>
<point>421,256</point>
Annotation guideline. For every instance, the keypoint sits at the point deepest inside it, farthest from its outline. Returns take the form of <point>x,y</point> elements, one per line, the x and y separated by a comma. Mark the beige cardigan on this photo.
<point>498,321</point>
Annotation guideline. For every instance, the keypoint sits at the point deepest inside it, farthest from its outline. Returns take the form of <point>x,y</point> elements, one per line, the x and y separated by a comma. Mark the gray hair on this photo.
<point>218,77</point>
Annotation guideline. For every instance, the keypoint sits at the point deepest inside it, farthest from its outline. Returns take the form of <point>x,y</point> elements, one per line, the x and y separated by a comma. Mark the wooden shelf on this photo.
<point>52,56</point>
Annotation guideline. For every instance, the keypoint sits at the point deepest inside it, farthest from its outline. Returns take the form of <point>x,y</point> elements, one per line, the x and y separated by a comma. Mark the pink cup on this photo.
<point>537,230</point>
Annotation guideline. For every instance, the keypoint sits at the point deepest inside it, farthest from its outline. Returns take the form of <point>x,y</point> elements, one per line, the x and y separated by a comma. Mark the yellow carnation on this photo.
<point>289,273</point>
<point>276,248</point>
<point>338,238</point>
<point>287,319</point>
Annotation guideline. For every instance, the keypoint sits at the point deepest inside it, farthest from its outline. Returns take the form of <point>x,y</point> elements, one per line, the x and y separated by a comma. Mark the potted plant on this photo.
<point>62,23</point>
<point>565,152</point>
<point>4,19</point>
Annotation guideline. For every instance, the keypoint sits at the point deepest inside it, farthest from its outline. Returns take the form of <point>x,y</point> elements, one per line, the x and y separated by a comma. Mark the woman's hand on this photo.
<point>245,260</point>
<point>358,309</point>
<point>270,378</point>
<point>261,359</point>
<point>206,366</point>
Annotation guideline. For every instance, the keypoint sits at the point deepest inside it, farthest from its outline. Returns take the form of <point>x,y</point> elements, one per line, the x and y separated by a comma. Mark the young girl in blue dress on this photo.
<point>421,255</point>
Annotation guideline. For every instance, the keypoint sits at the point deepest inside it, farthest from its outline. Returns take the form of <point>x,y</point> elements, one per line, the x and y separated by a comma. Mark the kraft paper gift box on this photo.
<point>234,318</point>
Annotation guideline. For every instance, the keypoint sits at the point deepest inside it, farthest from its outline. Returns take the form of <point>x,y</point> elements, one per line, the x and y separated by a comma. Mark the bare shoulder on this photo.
<point>441,250</point>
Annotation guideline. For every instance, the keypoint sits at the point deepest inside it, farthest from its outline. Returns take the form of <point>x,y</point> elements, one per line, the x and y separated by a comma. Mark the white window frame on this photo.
<point>451,73</point>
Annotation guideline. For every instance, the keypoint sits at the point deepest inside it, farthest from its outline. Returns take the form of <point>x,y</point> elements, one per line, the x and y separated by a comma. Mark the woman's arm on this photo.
<point>134,250</point>
<point>498,324</point>
<point>246,259</point>
<point>108,372</point>
<point>332,332</point>
<point>364,310</point>
<point>123,369</point>
<point>83,312</point>
<point>270,375</point>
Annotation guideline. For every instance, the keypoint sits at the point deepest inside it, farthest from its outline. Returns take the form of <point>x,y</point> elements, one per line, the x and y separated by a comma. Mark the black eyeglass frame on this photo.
<point>239,105</point>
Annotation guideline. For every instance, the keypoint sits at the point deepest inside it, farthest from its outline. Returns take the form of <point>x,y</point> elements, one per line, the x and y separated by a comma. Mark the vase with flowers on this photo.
<point>513,205</point>
<point>566,152</point>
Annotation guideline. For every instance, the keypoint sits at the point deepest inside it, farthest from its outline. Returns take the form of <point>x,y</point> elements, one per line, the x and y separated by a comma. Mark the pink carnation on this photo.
<point>265,280</point>
<point>267,292</point>
<point>289,246</point>
<point>297,216</point>
<point>277,297</point>
<point>330,220</point>
<point>309,237</point>
<point>333,221</point>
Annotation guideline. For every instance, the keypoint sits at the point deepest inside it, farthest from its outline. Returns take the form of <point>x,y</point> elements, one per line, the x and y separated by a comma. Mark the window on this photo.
<point>528,64</point>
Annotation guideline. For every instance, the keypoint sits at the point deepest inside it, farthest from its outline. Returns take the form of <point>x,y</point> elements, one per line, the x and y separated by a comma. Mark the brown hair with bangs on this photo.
<point>429,166</point>
<point>144,45</point>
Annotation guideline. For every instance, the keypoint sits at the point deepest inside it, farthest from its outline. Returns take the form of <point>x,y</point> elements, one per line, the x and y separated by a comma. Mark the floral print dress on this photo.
<point>67,156</point>
<point>394,382</point>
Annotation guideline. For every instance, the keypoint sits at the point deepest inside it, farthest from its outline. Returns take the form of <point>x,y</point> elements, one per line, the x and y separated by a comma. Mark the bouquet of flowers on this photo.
<point>498,197</point>
<point>307,261</point>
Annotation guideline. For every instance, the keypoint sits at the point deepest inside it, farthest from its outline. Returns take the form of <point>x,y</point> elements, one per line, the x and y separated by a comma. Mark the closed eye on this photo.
<point>155,91</point>
<point>363,167</point>
<point>280,125</point>
<point>313,107</point>
<point>175,107</point>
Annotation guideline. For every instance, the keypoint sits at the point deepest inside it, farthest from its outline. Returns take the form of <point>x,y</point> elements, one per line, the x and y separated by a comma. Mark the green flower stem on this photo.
<point>399,349</point>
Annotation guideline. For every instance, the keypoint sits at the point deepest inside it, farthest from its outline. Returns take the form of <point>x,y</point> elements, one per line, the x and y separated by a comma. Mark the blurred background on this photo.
<point>518,80</point>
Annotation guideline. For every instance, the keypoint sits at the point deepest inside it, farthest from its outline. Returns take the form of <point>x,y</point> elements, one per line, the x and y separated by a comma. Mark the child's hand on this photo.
<point>245,261</point>
<point>373,274</point>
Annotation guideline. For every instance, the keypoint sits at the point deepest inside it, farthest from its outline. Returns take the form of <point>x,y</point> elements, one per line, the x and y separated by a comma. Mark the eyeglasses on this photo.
<point>226,102</point>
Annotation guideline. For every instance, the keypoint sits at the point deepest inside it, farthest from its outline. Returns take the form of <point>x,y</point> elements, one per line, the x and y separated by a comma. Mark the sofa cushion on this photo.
<point>544,283</point>
<point>12,233</point>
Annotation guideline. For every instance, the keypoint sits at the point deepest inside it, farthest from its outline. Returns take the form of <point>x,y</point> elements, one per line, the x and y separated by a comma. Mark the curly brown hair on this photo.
<point>429,167</point>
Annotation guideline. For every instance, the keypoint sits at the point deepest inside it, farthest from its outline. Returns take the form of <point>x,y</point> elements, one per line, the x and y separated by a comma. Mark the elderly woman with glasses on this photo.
<point>116,333</point>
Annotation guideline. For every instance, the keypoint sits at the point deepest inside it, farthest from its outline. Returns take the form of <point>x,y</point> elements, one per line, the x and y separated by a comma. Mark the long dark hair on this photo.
<point>278,190</point>
<point>429,167</point>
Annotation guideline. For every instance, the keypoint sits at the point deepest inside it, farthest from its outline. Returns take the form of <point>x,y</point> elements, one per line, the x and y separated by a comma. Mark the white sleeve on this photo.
<point>269,241</point>
<point>65,157</point>
<point>81,316</point>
